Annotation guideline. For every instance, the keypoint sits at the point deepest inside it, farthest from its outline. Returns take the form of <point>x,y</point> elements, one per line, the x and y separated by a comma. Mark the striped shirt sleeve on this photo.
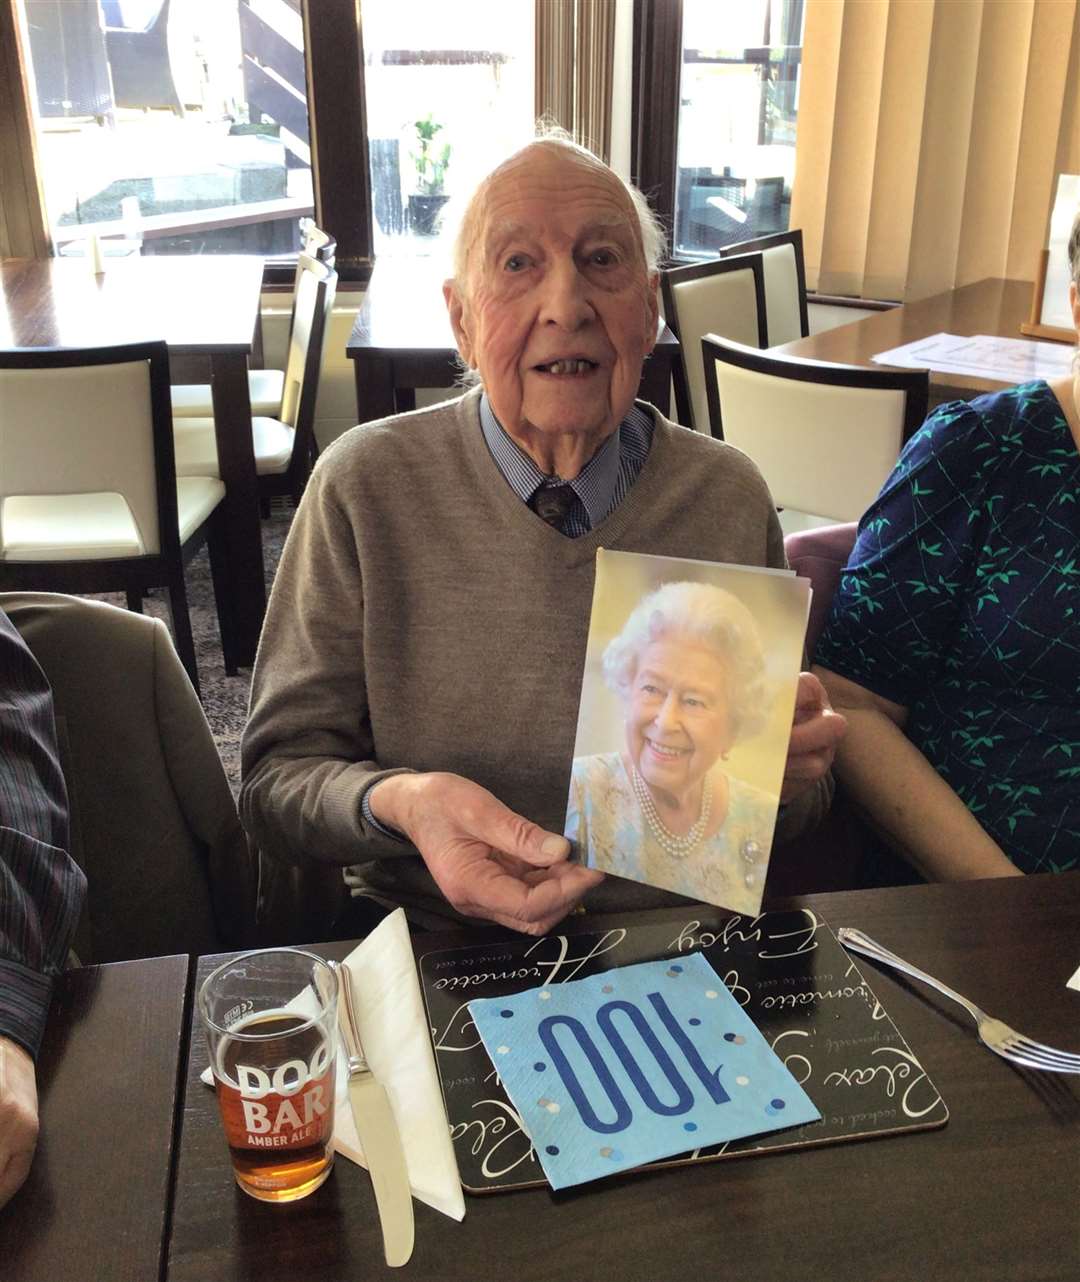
<point>41,886</point>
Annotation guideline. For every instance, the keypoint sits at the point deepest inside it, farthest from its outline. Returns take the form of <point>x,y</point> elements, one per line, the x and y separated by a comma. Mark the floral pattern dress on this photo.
<point>961,601</point>
<point>609,832</point>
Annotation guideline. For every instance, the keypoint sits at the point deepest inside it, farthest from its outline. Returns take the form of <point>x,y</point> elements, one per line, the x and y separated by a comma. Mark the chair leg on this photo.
<point>223,595</point>
<point>181,621</point>
<point>135,600</point>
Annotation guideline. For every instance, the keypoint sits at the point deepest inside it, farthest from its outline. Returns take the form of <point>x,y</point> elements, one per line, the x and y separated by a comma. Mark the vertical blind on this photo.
<point>575,51</point>
<point>930,136</point>
<point>23,232</point>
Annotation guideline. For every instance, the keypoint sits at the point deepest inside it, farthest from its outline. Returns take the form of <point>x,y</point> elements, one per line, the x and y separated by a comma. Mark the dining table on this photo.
<point>401,340</point>
<point>994,306</point>
<point>203,306</point>
<point>95,1206</point>
<point>991,1194</point>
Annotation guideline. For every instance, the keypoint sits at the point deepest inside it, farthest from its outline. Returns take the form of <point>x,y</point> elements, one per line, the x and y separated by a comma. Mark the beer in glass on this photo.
<point>271,1029</point>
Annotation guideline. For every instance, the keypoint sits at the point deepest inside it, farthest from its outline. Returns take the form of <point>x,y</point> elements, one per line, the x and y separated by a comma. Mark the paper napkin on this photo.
<point>635,1064</point>
<point>396,1039</point>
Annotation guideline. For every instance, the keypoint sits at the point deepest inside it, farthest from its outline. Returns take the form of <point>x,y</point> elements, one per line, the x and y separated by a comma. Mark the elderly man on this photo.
<point>414,701</point>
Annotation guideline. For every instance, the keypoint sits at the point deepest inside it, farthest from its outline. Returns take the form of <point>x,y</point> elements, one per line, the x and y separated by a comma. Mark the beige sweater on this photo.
<point>423,617</point>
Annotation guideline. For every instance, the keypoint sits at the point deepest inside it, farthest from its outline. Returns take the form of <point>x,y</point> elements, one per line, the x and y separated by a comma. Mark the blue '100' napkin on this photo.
<point>634,1064</point>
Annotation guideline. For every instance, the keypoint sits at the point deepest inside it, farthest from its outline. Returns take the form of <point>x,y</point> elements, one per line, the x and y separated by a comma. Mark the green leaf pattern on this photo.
<point>961,602</point>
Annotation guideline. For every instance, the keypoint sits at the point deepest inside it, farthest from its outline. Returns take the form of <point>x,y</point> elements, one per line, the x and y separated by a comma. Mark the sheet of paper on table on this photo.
<point>1007,360</point>
<point>636,1063</point>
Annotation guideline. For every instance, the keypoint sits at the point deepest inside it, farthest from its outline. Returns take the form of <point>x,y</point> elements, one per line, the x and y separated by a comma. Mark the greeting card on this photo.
<point>686,708</point>
<point>629,1065</point>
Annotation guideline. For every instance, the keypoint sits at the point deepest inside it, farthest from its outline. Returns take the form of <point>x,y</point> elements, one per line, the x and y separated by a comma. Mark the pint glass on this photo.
<point>271,1029</point>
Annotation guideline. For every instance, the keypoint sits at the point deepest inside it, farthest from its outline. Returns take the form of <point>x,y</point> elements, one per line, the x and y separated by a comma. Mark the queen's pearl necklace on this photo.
<point>675,846</point>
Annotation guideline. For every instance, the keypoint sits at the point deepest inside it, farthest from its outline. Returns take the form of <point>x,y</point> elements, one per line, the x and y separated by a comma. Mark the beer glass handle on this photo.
<point>353,1046</point>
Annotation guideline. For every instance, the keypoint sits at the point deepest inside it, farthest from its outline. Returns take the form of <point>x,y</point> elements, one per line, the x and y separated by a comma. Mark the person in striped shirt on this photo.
<point>41,892</point>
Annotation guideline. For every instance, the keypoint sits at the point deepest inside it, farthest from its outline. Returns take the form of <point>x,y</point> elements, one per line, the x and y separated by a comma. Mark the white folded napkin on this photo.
<point>396,1039</point>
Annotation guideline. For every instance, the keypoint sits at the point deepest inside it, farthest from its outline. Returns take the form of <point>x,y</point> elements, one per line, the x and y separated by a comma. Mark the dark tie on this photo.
<point>552,503</point>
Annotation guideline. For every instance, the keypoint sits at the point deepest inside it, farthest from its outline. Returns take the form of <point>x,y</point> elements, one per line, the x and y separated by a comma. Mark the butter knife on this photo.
<point>379,1136</point>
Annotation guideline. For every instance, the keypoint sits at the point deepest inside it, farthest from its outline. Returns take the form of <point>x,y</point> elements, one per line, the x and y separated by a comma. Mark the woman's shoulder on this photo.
<point>598,768</point>
<point>751,803</point>
<point>989,427</point>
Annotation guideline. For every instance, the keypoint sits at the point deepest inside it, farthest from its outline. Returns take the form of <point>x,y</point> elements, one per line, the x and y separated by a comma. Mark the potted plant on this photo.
<point>431,161</point>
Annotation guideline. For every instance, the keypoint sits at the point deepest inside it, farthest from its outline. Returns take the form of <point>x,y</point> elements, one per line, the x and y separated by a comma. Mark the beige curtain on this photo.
<point>575,49</point>
<point>930,136</point>
<point>23,231</point>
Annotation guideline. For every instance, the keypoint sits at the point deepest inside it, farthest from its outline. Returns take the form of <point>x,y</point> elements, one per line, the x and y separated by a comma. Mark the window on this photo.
<point>179,127</point>
<point>736,124</point>
<point>440,114</point>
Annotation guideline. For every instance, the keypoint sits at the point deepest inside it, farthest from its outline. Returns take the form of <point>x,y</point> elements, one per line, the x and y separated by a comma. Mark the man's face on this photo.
<point>559,311</point>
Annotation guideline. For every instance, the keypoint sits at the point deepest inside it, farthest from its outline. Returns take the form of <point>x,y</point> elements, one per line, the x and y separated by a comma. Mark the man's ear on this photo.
<point>459,321</point>
<point>1074,304</point>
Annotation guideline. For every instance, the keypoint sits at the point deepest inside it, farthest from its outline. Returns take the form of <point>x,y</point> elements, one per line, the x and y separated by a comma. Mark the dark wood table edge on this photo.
<point>179,1102</point>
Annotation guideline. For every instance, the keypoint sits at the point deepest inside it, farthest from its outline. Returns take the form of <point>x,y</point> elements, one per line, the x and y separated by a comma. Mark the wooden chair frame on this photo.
<point>793,238</point>
<point>673,276</point>
<point>291,482</point>
<point>134,575</point>
<point>914,383</point>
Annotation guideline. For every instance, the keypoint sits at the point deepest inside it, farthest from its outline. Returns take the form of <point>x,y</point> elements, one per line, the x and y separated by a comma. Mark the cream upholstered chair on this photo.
<point>265,386</point>
<point>89,497</point>
<point>153,822</point>
<point>720,297</point>
<point>284,446</point>
<point>824,436</point>
<point>785,284</point>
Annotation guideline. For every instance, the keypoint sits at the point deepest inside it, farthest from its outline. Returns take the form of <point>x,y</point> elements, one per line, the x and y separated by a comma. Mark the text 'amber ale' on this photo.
<point>277,1106</point>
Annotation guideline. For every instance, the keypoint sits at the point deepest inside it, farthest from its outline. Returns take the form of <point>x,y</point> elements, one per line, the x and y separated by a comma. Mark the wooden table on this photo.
<point>201,305</point>
<point>992,306</point>
<point>401,340</point>
<point>991,1196</point>
<point>95,1205</point>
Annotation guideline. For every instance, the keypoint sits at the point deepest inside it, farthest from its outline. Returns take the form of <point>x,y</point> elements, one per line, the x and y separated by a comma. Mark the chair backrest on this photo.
<point>89,421</point>
<point>719,297</point>
<point>785,282</point>
<point>820,556</point>
<point>154,824</point>
<point>824,436</point>
<point>315,293</point>
<point>317,243</point>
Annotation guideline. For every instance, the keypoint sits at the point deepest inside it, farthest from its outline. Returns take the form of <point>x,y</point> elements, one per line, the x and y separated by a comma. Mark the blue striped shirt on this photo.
<point>599,487</point>
<point>41,887</point>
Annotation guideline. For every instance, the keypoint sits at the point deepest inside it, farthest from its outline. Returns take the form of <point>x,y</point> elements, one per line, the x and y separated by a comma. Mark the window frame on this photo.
<point>654,106</point>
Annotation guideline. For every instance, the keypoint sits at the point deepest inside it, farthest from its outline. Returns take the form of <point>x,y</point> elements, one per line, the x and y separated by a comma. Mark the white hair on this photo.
<point>653,242</point>
<point>711,617</point>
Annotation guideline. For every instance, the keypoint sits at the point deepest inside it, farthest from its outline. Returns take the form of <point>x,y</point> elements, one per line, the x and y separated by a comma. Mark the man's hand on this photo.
<point>488,861</point>
<point>816,730</point>
<point>18,1117</point>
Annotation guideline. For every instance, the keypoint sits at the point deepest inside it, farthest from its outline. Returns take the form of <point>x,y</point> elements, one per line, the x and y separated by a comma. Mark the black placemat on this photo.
<point>786,969</point>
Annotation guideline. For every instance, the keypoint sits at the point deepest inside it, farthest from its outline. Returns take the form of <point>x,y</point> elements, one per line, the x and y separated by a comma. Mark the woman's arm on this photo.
<point>891,780</point>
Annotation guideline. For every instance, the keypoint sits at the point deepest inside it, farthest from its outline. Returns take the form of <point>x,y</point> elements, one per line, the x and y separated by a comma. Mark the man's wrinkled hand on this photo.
<point>18,1117</point>
<point>815,732</point>
<point>488,861</point>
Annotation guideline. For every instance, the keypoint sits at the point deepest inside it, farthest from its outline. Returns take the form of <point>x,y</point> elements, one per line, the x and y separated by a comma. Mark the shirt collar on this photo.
<point>595,485</point>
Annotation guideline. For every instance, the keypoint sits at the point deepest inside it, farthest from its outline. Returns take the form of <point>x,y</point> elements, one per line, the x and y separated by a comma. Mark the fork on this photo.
<point>995,1035</point>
